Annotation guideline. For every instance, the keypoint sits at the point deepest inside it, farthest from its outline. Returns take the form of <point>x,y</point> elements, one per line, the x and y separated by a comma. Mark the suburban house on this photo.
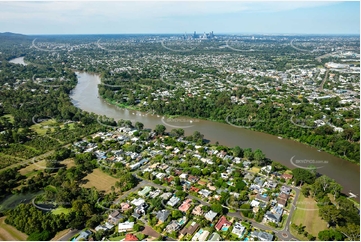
<point>205,193</point>
<point>193,179</point>
<point>210,215</point>
<point>282,199</point>
<point>238,229</point>
<point>83,235</point>
<point>201,235</point>
<point>162,215</point>
<point>173,201</point>
<point>194,189</point>
<point>145,191</point>
<point>275,215</point>
<point>155,193</point>
<point>287,176</point>
<point>249,176</point>
<point>140,211</point>
<point>266,169</point>
<point>183,176</point>
<point>190,230</point>
<point>185,205</point>
<point>104,227</point>
<point>202,183</point>
<point>172,226</point>
<point>198,210</point>
<point>125,206</point>
<point>114,217</point>
<point>263,236</point>
<point>130,237</point>
<point>126,226</point>
<point>286,190</point>
<point>166,195</point>
<point>214,237</point>
<point>222,222</point>
<point>138,201</point>
<point>262,198</point>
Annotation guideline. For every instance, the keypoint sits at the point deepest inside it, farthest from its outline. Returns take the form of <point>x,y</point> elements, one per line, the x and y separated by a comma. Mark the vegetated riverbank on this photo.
<point>322,149</point>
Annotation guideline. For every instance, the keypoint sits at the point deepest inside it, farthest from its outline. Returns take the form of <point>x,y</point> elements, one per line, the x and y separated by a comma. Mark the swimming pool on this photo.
<point>224,228</point>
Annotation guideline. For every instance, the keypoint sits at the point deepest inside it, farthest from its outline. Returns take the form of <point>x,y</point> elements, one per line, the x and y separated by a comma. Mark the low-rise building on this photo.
<point>163,215</point>
<point>238,229</point>
<point>173,201</point>
<point>210,215</point>
<point>126,226</point>
<point>222,223</point>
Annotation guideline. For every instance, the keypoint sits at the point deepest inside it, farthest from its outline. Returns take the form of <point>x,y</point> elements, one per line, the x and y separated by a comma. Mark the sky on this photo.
<point>121,17</point>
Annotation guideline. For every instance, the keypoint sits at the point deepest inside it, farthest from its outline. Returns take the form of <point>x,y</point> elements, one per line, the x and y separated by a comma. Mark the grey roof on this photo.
<point>273,216</point>
<point>163,215</point>
<point>262,235</point>
<point>214,237</point>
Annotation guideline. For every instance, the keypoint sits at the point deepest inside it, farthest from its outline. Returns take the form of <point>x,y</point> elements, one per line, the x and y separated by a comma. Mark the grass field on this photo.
<point>255,169</point>
<point>50,124</point>
<point>42,127</point>
<point>307,214</point>
<point>61,210</point>
<point>100,180</point>
<point>8,232</point>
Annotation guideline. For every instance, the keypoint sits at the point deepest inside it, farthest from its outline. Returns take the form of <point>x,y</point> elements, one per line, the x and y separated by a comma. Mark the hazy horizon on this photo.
<point>169,17</point>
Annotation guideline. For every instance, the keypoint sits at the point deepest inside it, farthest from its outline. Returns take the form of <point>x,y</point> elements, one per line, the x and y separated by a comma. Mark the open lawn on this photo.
<point>68,162</point>
<point>100,180</point>
<point>29,170</point>
<point>61,210</point>
<point>8,232</point>
<point>255,169</point>
<point>41,165</point>
<point>44,126</point>
<point>307,214</point>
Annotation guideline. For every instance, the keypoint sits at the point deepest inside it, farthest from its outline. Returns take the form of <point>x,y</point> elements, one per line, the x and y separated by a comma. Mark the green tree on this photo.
<point>159,129</point>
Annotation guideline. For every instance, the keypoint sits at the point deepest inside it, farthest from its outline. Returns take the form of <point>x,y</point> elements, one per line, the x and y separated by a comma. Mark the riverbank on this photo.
<point>322,149</point>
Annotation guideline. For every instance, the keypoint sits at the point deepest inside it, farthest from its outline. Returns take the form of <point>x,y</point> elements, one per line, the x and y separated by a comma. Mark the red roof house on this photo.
<point>222,222</point>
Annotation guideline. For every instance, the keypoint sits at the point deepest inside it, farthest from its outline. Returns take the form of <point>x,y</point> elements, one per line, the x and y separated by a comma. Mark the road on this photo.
<point>297,47</point>
<point>324,80</point>
<point>70,234</point>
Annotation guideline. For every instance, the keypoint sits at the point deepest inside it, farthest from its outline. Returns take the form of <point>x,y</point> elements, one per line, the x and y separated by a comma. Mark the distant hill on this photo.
<point>9,34</point>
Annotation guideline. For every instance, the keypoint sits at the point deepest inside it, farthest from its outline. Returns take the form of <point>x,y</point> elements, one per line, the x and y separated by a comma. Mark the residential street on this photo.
<point>281,234</point>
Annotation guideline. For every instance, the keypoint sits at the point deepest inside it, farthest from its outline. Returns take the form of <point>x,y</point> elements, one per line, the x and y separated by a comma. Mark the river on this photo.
<point>287,152</point>
<point>85,96</point>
